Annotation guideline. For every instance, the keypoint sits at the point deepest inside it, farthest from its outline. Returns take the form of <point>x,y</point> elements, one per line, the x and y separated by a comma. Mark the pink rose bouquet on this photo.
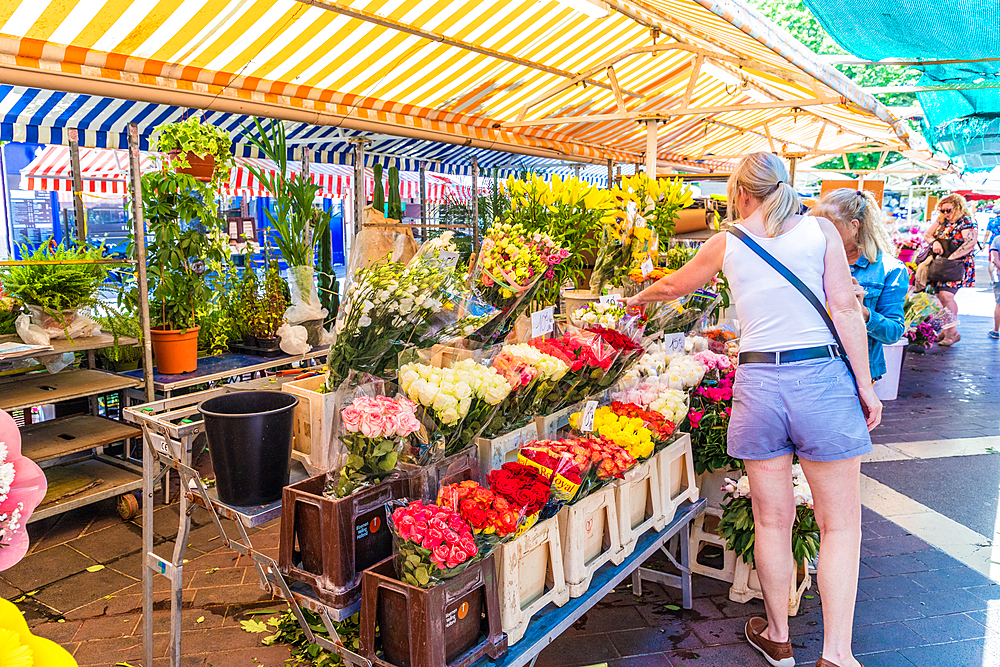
<point>373,429</point>
<point>430,543</point>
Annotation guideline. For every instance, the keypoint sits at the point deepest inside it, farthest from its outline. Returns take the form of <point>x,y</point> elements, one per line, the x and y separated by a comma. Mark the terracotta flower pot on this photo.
<point>201,168</point>
<point>176,350</point>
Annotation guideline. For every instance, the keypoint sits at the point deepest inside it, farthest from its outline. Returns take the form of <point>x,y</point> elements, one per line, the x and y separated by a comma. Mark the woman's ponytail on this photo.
<point>764,177</point>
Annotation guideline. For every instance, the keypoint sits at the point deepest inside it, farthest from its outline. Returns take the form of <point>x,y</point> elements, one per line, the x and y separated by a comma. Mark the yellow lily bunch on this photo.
<point>629,433</point>
<point>658,201</point>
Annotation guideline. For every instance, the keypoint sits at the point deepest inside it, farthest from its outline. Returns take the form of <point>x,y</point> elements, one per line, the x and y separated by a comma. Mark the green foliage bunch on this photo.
<point>190,136</point>
<point>120,324</point>
<point>271,303</point>
<point>288,631</point>
<point>292,195</point>
<point>737,527</point>
<point>185,249</point>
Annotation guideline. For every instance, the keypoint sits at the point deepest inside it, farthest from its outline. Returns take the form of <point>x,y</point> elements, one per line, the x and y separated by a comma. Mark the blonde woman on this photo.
<point>880,280</point>
<point>956,229</point>
<point>793,394</point>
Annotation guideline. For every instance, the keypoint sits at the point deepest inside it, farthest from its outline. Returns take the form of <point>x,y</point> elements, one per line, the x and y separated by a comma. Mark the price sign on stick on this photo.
<point>542,322</point>
<point>674,343</point>
<point>647,267</point>
<point>448,259</point>
<point>608,298</point>
<point>587,419</point>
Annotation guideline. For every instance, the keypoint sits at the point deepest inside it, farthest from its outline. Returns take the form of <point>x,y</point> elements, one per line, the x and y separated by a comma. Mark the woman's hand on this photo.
<point>874,406</point>
<point>860,293</point>
<point>937,248</point>
<point>633,303</point>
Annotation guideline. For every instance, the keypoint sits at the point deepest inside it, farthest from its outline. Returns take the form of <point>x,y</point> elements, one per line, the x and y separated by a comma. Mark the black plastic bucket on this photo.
<point>250,441</point>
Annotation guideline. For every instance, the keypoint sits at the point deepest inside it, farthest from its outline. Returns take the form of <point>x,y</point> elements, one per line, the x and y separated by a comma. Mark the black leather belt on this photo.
<point>788,356</point>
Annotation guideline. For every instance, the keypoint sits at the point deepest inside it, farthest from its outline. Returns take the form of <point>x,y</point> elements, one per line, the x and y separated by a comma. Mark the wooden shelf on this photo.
<point>36,389</point>
<point>78,344</point>
<point>78,484</point>
<point>53,439</point>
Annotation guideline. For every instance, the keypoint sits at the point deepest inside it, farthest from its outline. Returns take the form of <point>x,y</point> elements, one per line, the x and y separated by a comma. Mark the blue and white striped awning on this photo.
<point>44,116</point>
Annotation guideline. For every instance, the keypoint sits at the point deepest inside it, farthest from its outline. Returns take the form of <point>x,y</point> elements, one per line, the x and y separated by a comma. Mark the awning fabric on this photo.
<point>104,172</point>
<point>490,75</point>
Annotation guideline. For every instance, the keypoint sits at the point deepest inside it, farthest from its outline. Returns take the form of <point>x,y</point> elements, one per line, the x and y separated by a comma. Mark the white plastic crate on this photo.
<point>675,466</point>
<point>531,576</point>
<point>746,585</point>
<point>704,532</point>
<point>589,534</point>
<point>494,452</point>
<point>548,425</point>
<point>637,497</point>
<point>313,443</point>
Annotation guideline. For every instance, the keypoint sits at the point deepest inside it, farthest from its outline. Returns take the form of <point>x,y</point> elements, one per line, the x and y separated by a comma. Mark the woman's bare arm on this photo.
<point>969,241</point>
<point>696,273</point>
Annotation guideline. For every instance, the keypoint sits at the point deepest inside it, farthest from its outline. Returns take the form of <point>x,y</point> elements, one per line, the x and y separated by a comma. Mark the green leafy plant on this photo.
<point>55,288</point>
<point>185,251</point>
<point>271,303</point>
<point>288,631</point>
<point>10,310</point>
<point>291,194</point>
<point>190,136</point>
<point>329,289</point>
<point>378,194</point>
<point>120,324</point>
<point>395,210</point>
<point>737,527</point>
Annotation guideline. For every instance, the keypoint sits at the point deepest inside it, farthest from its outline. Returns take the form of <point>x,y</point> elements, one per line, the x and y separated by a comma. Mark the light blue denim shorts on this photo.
<point>809,408</point>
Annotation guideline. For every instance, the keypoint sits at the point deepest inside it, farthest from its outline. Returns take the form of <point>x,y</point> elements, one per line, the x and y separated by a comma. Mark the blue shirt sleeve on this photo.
<point>885,320</point>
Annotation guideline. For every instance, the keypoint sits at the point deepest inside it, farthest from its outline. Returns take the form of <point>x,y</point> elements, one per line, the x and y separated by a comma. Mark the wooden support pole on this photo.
<point>305,162</point>
<point>475,205</point>
<point>792,163</point>
<point>74,165</point>
<point>651,148</point>
<point>611,174</point>
<point>139,229</point>
<point>423,201</point>
<point>359,186</point>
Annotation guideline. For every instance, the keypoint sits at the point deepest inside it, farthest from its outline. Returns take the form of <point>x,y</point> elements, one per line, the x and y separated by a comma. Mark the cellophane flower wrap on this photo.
<point>524,487</point>
<point>615,250</point>
<point>708,419</point>
<point>628,432</point>
<point>628,352</point>
<point>661,429</point>
<point>511,266</point>
<point>596,460</point>
<point>373,429</point>
<point>429,543</point>
<point>590,357</point>
<point>605,314</point>
<point>532,374</point>
<point>461,399</point>
<point>493,518</point>
<point>564,471</point>
<point>657,395</point>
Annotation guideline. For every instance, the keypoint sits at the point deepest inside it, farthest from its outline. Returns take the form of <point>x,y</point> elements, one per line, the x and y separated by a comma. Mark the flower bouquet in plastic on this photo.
<point>564,471</point>
<point>374,430</point>
<point>493,517</point>
<point>590,357</point>
<point>510,268</point>
<point>661,429</point>
<point>627,349</point>
<point>615,250</point>
<point>551,366</point>
<point>517,364</point>
<point>628,432</point>
<point>607,314</point>
<point>429,543</point>
<point>657,395</point>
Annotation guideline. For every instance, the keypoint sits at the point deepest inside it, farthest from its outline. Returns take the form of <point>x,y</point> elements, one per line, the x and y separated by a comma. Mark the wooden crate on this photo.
<point>704,532</point>
<point>675,467</point>
<point>425,481</point>
<point>531,576</point>
<point>589,534</point>
<point>548,425</point>
<point>746,585</point>
<point>494,452</point>
<point>313,441</point>
<point>637,498</point>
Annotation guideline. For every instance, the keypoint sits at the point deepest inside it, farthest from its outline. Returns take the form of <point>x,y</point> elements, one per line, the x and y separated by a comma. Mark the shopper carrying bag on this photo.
<point>793,394</point>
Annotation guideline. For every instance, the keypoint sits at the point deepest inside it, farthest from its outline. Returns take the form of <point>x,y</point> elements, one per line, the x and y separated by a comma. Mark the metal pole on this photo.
<point>423,201</point>
<point>909,205</point>
<point>148,464</point>
<point>359,186</point>
<point>576,172</point>
<point>792,162</point>
<point>475,205</point>
<point>651,148</point>
<point>74,165</point>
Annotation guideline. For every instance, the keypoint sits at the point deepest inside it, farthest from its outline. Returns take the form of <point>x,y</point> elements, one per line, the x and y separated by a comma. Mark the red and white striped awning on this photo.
<point>104,172</point>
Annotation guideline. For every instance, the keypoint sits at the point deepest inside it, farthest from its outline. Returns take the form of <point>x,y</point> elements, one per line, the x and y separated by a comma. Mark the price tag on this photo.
<point>448,259</point>
<point>647,267</point>
<point>674,343</point>
<point>542,322</point>
<point>587,419</point>
<point>609,298</point>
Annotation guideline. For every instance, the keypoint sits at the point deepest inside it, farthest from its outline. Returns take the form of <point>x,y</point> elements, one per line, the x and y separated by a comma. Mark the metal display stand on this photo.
<point>169,428</point>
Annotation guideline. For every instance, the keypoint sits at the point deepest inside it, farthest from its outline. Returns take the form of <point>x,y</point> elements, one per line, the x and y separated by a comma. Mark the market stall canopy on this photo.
<point>535,78</point>
<point>958,90</point>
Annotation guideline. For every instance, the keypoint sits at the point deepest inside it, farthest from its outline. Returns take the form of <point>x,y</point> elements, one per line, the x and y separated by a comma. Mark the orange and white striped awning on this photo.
<point>535,77</point>
<point>104,172</point>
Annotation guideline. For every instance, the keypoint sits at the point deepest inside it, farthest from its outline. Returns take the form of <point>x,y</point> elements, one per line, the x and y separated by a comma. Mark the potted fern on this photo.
<point>201,151</point>
<point>186,240</point>
<point>296,220</point>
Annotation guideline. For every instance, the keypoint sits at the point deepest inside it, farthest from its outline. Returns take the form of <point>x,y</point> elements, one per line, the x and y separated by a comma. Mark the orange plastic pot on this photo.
<point>201,168</point>
<point>176,350</point>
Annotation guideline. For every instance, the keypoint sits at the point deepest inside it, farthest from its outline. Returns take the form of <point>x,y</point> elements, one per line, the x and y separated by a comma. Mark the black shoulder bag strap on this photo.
<point>801,287</point>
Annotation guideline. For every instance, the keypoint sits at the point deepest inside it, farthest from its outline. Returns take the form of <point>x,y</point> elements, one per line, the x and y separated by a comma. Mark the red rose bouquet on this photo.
<point>564,471</point>
<point>430,543</point>
<point>493,518</point>
<point>522,485</point>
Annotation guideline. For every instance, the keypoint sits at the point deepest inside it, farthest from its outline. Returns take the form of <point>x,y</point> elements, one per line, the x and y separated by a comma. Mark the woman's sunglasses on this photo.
<point>946,211</point>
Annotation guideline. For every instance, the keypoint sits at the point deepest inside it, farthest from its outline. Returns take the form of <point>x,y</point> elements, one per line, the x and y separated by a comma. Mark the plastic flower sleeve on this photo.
<point>304,296</point>
<point>374,427</point>
<point>565,470</point>
<point>614,253</point>
<point>429,543</point>
<point>494,518</point>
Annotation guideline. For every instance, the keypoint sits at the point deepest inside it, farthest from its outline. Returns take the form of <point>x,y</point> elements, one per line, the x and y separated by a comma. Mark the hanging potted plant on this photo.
<point>296,220</point>
<point>185,242</point>
<point>201,151</point>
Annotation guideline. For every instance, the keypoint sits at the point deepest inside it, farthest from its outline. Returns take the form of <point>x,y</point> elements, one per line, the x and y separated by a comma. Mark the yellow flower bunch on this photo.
<point>657,201</point>
<point>629,433</point>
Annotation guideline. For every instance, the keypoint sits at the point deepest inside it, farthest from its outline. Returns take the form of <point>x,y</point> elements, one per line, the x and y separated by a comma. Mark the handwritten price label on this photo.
<point>448,259</point>
<point>587,420</point>
<point>609,298</point>
<point>674,343</point>
<point>542,322</point>
<point>647,267</point>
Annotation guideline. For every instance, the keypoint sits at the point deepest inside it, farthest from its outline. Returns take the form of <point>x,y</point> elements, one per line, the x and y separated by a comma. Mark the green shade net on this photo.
<point>963,123</point>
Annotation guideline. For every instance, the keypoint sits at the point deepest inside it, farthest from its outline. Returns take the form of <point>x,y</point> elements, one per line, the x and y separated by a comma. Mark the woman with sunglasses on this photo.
<point>956,228</point>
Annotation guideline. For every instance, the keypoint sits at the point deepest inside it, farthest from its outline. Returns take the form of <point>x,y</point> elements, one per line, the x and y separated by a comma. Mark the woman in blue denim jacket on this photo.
<point>880,280</point>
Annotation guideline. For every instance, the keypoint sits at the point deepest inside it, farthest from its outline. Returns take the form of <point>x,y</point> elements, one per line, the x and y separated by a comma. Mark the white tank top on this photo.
<point>774,315</point>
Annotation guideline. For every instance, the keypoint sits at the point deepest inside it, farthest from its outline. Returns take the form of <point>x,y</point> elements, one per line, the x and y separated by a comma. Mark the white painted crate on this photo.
<point>531,576</point>
<point>548,425</point>
<point>746,585</point>
<point>589,534</point>
<point>313,443</point>
<point>637,497</point>
<point>675,466</point>
<point>704,531</point>
<point>493,453</point>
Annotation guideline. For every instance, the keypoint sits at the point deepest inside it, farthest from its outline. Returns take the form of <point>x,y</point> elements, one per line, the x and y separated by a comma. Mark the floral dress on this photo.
<point>953,232</point>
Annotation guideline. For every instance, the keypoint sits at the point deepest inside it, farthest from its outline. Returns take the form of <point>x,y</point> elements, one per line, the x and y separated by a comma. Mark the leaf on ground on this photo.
<point>108,597</point>
<point>201,619</point>
<point>671,607</point>
<point>95,568</point>
<point>61,620</point>
<point>274,622</point>
<point>253,626</point>
<point>213,570</point>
